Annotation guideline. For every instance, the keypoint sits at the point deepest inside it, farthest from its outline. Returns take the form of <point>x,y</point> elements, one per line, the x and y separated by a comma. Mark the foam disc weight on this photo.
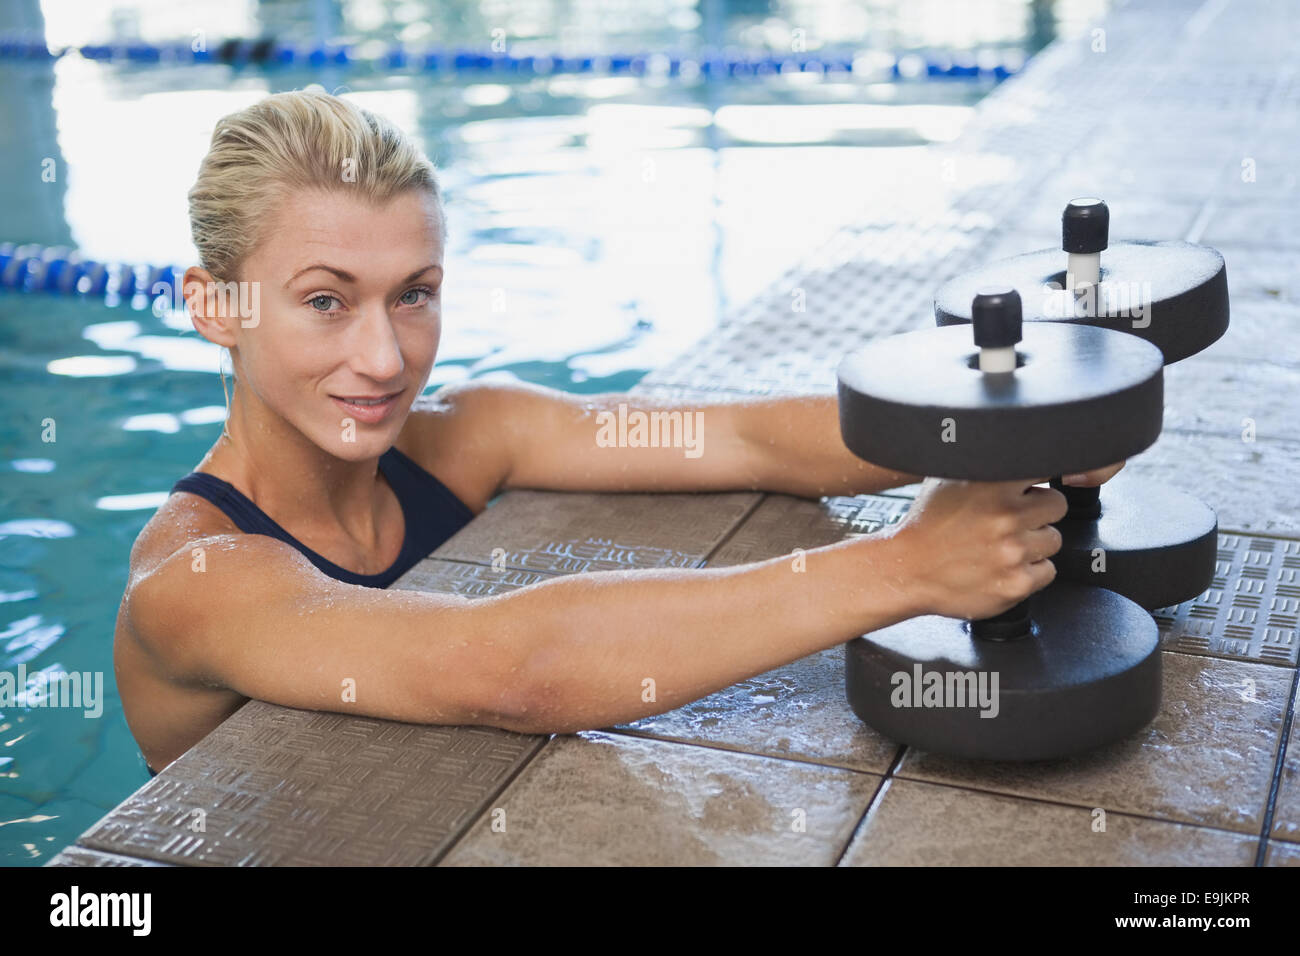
<point>1080,398</point>
<point>1089,675</point>
<point>1173,294</point>
<point>1158,546</point>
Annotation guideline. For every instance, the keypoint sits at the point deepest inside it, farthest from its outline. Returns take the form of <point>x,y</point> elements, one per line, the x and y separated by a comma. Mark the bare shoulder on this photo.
<point>160,700</point>
<point>458,435</point>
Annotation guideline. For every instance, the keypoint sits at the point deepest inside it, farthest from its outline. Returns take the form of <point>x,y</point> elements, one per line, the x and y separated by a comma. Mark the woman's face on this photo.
<point>349,297</point>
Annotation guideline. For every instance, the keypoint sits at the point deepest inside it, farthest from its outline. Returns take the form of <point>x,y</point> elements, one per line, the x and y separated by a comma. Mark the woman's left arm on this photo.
<point>614,441</point>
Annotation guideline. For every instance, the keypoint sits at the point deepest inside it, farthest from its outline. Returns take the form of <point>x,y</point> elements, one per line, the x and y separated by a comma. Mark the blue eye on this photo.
<point>321,298</point>
<point>418,290</point>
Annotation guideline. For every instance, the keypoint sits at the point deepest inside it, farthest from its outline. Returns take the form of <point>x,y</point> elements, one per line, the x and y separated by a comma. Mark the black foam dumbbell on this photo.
<point>1143,539</point>
<point>1074,666</point>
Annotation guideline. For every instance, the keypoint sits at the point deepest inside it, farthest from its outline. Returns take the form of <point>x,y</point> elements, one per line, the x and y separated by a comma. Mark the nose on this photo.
<point>376,353</point>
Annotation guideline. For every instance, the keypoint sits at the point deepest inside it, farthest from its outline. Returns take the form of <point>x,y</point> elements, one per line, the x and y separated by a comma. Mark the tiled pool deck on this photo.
<point>1188,124</point>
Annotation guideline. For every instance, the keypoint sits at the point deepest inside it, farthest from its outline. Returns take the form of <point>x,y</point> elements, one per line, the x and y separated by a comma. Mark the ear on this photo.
<point>206,306</point>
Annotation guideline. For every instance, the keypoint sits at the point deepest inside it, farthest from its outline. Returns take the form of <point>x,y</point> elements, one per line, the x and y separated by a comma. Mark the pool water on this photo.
<point>598,226</point>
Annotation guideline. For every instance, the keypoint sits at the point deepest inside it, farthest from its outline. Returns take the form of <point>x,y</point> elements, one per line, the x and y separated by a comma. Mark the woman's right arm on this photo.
<point>581,651</point>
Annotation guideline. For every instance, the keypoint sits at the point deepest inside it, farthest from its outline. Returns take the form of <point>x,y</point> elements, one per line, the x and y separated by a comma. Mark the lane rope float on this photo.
<point>269,52</point>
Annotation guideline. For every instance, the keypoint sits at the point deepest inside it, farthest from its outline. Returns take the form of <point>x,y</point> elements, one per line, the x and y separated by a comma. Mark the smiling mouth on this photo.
<point>362,401</point>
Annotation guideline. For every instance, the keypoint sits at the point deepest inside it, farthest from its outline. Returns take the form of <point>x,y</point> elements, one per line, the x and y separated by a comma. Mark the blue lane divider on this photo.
<point>58,269</point>
<point>708,62</point>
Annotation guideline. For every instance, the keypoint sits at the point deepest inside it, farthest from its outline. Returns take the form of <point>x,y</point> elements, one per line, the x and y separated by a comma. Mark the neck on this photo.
<point>293,479</point>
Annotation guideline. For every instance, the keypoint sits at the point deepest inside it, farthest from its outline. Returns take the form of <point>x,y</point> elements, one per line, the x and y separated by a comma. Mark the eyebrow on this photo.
<point>349,277</point>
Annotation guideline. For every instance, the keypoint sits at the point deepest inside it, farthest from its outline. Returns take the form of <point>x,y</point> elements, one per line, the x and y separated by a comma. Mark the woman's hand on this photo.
<point>972,549</point>
<point>1098,476</point>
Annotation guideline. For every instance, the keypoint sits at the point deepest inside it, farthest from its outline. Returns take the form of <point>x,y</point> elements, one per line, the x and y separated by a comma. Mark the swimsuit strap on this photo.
<point>432,514</point>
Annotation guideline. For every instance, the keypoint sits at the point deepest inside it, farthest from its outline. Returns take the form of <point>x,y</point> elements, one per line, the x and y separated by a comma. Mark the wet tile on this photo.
<point>1271,223</point>
<point>276,786</point>
<point>782,523</point>
<point>1250,611</point>
<point>1131,216</point>
<point>924,824</point>
<point>81,856</point>
<point>1206,759</point>
<point>599,799</point>
<point>872,281</point>
<point>568,532</point>
<point>798,711</point>
<point>1233,398</point>
<point>1260,274</point>
<point>1282,854</point>
<point>1286,811</point>
<point>1250,485</point>
<point>467,580</point>
<point>1261,331</point>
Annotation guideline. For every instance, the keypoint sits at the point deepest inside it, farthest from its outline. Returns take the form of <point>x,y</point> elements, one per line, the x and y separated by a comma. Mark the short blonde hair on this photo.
<point>302,138</point>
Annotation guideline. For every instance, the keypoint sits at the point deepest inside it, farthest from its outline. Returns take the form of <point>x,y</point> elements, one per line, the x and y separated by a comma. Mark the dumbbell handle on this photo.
<point>1084,502</point>
<point>1014,623</point>
<point>1010,625</point>
<point>1083,269</point>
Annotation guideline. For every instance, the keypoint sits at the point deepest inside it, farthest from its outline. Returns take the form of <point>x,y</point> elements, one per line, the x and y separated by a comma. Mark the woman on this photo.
<point>320,234</point>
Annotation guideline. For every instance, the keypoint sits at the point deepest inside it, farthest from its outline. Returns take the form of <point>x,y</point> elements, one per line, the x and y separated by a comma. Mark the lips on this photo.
<point>371,412</point>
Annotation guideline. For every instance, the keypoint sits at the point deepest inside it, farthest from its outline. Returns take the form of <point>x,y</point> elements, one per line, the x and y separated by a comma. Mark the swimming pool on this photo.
<point>598,226</point>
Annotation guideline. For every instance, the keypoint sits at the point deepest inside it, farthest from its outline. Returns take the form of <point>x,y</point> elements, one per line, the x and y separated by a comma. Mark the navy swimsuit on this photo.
<point>433,514</point>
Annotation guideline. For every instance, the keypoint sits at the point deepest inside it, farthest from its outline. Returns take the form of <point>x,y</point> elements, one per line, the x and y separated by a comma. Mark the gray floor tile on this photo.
<point>1250,485</point>
<point>1207,758</point>
<point>782,523</point>
<point>569,532</point>
<point>924,824</point>
<point>1250,611</point>
<point>1286,811</point>
<point>798,711</point>
<point>278,786</point>
<point>1233,398</point>
<point>80,856</point>
<point>598,799</point>
<point>1282,854</point>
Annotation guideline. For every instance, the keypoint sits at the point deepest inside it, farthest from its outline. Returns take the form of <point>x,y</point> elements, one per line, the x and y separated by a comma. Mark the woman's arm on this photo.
<point>613,441</point>
<point>576,652</point>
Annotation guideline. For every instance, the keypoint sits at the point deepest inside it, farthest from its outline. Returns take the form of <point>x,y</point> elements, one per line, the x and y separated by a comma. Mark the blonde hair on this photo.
<point>298,139</point>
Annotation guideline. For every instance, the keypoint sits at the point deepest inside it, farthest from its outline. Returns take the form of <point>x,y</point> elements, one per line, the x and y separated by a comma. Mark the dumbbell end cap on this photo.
<point>996,316</point>
<point>1085,225</point>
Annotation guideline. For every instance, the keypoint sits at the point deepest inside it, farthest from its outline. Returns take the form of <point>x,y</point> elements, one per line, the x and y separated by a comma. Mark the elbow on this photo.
<point>508,695</point>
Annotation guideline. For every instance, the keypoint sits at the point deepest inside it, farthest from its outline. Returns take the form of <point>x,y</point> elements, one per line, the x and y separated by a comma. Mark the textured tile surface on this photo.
<point>923,824</point>
<point>1206,759</point>
<point>1250,611</point>
<point>1260,332</point>
<point>799,711</point>
<point>1261,276</point>
<point>276,786</point>
<point>1251,485</point>
<point>1286,812</point>
<point>1282,854</point>
<point>568,532</point>
<point>600,799</point>
<point>782,523</point>
<point>467,580</point>
<point>1233,398</point>
<point>80,856</point>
